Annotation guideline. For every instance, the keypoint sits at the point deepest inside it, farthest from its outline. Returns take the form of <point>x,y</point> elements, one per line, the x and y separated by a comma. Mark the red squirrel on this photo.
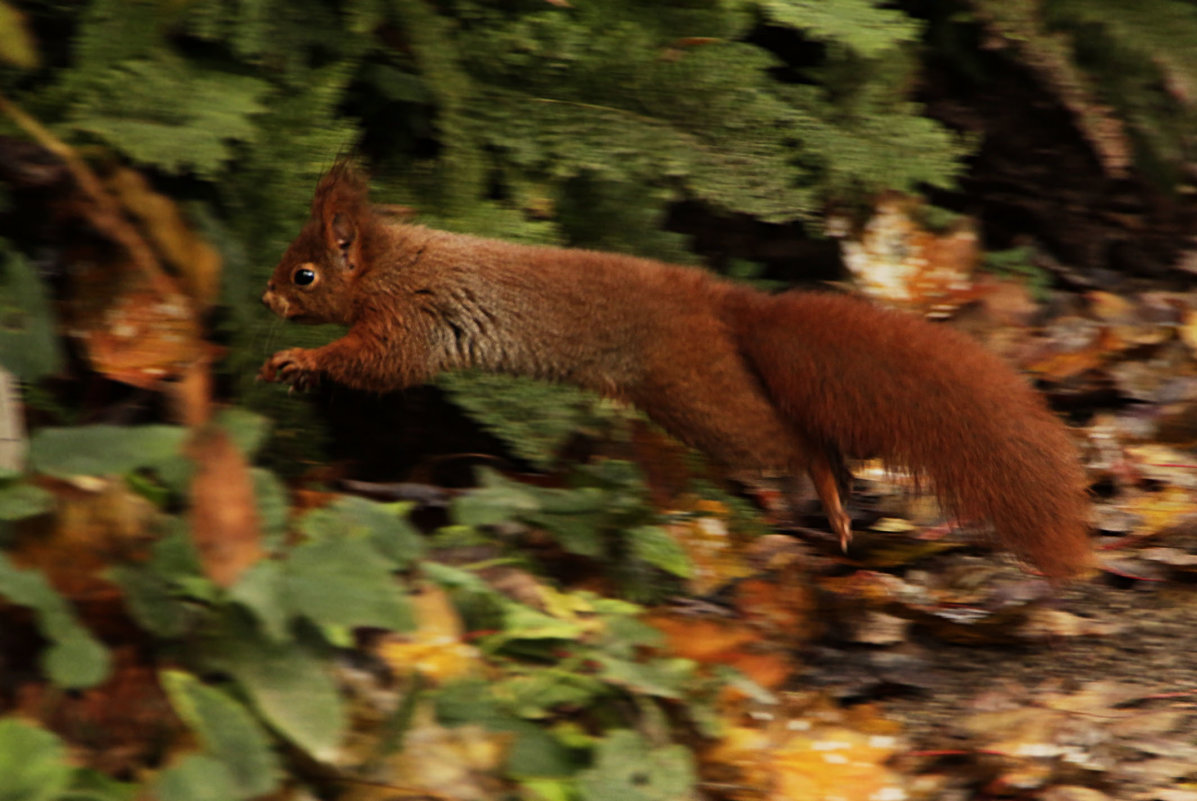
<point>787,382</point>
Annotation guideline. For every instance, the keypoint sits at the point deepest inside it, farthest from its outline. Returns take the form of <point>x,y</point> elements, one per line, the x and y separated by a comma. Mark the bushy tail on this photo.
<point>878,383</point>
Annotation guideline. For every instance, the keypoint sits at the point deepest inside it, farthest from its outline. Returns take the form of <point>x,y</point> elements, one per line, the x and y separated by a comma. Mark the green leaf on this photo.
<point>665,678</point>
<point>18,501</point>
<point>157,592</point>
<point>273,506</point>
<point>247,429</point>
<point>628,768</point>
<point>538,693</point>
<point>525,623</point>
<point>73,658</point>
<point>384,524</point>
<point>29,344</point>
<point>289,684</point>
<point>229,734</point>
<point>261,589</point>
<point>657,546</point>
<point>102,450</point>
<point>345,583</point>
<point>535,751</point>
<point>197,777</point>
<point>33,763</point>
<point>494,503</point>
<point>91,785</point>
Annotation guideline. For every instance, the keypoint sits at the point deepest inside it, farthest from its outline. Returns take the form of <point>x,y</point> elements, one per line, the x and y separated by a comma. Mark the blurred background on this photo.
<point>190,558</point>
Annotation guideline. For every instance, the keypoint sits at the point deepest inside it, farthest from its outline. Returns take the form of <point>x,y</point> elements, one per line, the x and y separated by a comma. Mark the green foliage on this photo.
<point>628,768</point>
<point>29,346</point>
<point>102,450</point>
<point>502,403</point>
<point>288,683</point>
<point>232,740</point>
<point>606,516</point>
<point>204,112</point>
<point>1017,262</point>
<point>1132,58</point>
<point>74,658</point>
<point>33,764</point>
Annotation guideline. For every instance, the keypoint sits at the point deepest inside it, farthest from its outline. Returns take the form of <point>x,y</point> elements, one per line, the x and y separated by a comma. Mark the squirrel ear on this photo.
<point>342,235</point>
<point>341,206</point>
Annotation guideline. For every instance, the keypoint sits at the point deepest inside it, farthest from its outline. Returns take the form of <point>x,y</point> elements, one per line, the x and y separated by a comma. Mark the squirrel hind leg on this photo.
<point>827,481</point>
<point>831,481</point>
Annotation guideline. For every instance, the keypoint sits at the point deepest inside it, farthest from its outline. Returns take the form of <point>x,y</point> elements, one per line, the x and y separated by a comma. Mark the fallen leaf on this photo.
<point>436,648</point>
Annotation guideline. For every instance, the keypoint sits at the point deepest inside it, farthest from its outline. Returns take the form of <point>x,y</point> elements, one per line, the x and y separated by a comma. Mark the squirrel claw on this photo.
<point>289,367</point>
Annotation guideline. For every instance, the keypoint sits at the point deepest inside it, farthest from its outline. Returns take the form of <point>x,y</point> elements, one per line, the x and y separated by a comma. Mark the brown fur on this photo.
<point>789,382</point>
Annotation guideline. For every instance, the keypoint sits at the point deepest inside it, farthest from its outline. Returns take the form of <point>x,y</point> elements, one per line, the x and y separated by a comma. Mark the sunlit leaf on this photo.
<point>33,763</point>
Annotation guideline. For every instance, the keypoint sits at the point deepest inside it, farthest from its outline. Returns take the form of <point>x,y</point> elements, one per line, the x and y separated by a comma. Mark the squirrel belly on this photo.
<point>791,382</point>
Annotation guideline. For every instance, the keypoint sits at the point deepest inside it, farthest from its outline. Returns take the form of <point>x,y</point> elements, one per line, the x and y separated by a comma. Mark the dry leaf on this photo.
<point>224,512</point>
<point>436,649</point>
<point>894,258</point>
<point>195,262</point>
<point>97,523</point>
<point>717,559</point>
<point>813,752</point>
<point>710,641</point>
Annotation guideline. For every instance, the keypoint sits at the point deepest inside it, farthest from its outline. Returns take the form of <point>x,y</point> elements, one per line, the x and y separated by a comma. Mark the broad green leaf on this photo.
<point>261,590</point>
<point>657,546</point>
<point>290,686</point>
<point>73,658</point>
<point>490,505</point>
<point>665,678</point>
<point>385,524</point>
<point>247,429</point>
<point>150,600</point>
<point>628,768</point>
<point>18,501</point>
<point>164,593</point>
<point>33,763</point>
<point>273,506</point>
<point>28,327</point>
<point>197,777</point>
<point>104,449</point>
<point>229,734</point>
<point>345,583</point>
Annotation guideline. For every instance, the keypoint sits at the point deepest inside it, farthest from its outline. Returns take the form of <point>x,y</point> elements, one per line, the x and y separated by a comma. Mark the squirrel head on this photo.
<point>315,279</point>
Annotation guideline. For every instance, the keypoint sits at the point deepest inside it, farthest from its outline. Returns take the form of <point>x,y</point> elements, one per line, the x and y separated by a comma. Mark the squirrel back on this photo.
<point>790,382</point>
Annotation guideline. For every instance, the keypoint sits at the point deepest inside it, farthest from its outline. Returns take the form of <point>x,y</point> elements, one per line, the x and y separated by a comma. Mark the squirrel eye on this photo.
<point>303,277</point>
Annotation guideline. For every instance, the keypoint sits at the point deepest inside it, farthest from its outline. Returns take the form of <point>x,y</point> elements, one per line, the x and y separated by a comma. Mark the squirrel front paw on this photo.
<point>294,366</point>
